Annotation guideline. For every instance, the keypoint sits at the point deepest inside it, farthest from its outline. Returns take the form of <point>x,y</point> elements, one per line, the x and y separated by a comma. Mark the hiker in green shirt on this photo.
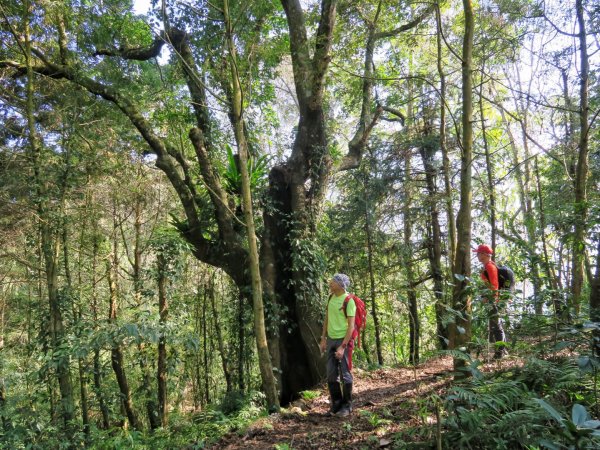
<point>337,341</point>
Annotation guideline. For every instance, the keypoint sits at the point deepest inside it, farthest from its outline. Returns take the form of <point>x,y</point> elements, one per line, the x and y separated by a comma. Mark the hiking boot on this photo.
<point>345,411</point>
<point>346,408</point>
<point>337,400</point>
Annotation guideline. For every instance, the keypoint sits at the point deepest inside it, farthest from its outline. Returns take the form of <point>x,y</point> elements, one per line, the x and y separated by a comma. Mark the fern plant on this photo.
<point>508,413</point>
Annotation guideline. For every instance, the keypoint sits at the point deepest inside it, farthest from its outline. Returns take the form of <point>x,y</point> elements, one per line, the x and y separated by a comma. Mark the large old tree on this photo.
<point>109,53</point>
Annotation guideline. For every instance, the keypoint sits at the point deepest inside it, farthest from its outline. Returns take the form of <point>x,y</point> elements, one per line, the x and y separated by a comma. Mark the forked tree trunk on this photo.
<point>289,268</point>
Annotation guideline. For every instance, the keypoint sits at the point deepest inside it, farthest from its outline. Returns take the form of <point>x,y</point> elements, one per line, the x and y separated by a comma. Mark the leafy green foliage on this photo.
<point>507,411</point>
<point>309,395</point>
<point>236,401</point>
<point>257,171</point>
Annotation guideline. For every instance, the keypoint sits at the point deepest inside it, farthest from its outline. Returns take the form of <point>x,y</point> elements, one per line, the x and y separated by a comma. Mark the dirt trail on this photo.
<point>386,402</point>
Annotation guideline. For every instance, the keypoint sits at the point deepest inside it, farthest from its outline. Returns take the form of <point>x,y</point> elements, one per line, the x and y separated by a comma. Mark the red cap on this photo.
<point>484,249</point>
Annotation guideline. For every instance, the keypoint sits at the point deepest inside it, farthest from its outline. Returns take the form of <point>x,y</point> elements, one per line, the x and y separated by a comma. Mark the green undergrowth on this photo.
<point>545,404</point>
<point>235,412</point>
<point>189,431</point>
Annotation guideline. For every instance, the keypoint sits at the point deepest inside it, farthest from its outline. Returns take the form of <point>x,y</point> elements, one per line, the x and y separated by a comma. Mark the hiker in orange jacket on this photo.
<point>489,275</point>
<point>337,340</point>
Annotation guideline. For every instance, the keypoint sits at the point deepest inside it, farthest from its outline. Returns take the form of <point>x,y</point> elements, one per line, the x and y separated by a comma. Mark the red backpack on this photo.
<point>360,318</point>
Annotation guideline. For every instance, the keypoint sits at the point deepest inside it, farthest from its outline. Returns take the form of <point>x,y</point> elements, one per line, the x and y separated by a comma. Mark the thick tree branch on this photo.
<point>395,112</point>
<point>356,146</point>
<point>322,55</point>
<point>223,213</point>
<point>135,53</point>
<point>407,26</point>
<point>367,120</point>
<point>204,249</point>
<point>299,49</point>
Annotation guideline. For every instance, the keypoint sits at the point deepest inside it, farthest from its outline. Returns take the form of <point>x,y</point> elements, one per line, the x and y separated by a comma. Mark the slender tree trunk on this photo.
<point>413,309</point>
<point>117,359</point>
<point>163,309</point>
<point>523,181</point>
<point>460,329</point>
<point>524,177</point>
<point>3,417</point>
<point>49,243</point>
<point>489,166</point>
<point>434,249</point>
<point>205,344</point>
<point>264,357</point>
<point>369,236</point>
<point>219,333</point>
<point>595,302</point>
<point>95,318</point>
<point>83,363</point>
<point>197,376</point>
<point>443,147</point>
<point>2,310</point>
<point>241,343</point>
<point>145,361</point>
<point>581,174</point>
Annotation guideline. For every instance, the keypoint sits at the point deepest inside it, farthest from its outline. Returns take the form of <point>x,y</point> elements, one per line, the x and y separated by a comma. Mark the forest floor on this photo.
<point>389,404</point>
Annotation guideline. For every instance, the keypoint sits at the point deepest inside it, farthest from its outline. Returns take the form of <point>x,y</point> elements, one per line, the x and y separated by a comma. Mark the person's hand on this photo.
<point>339,353</point>
<point>323,345</point>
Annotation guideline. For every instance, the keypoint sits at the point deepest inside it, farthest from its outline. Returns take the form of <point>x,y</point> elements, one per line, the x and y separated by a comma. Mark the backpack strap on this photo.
<point>345,304</point>
<point>356,330</point>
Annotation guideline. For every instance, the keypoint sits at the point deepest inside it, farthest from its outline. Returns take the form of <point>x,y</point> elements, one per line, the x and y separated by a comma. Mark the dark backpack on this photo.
<point>506,278</point>
<point>360,318</point>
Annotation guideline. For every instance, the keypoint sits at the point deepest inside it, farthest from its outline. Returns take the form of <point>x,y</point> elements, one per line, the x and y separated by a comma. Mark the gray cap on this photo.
<point>342,279</point>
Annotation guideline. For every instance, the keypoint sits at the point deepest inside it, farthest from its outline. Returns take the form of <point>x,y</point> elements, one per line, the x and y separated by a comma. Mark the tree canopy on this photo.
<point>178,183</point>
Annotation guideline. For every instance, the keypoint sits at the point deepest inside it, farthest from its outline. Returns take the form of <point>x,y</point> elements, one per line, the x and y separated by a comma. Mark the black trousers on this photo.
<point>335,366</point>
<point>496,324</point>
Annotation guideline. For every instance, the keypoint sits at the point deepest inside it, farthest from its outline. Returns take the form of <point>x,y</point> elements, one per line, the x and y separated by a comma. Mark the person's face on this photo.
<point>483,257</point>
<point>333,286</point>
